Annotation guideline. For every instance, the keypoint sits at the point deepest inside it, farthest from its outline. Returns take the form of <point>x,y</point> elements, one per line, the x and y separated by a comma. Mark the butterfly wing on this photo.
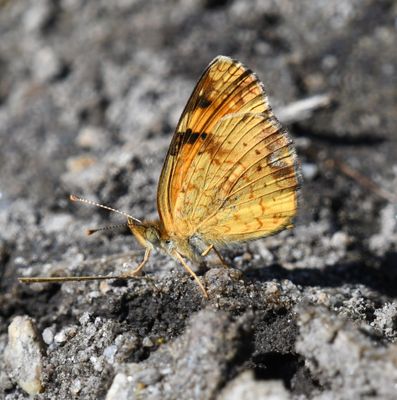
<point>253,191</point>
<point>230,173</point>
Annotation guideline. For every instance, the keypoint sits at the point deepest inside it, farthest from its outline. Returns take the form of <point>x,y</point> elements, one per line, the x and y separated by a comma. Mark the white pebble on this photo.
<point>147,342</point>
<point>48,335</point>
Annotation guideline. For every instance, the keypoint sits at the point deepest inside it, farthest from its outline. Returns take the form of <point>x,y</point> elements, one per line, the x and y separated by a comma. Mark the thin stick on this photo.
<point>363,180</point>
<point>302,109</point>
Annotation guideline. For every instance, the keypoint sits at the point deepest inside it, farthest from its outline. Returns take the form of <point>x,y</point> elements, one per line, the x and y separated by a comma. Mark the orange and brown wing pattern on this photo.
<point>231,171</point>
<point>251,189</point>
<point>226,87</point>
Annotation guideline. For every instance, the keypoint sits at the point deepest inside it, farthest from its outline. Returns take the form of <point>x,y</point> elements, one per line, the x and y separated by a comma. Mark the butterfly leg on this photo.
<point>191,272</point>
<point>221,259</point>
<point>212,247</point>
<point>138,269</point>
<point>207,250</point>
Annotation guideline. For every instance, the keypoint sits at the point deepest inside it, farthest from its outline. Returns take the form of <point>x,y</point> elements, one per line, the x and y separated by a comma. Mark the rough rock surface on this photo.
<point>90,93</point>
<point>324,340</point>
<point>23,355</point>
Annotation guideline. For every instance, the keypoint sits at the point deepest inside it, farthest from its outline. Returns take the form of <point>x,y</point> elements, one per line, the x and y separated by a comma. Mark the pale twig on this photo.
<point>362,180</point>
<point>302,109</point>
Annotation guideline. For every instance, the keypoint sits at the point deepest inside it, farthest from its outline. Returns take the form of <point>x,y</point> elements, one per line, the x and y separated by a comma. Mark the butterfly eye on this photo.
<point>152,235</point>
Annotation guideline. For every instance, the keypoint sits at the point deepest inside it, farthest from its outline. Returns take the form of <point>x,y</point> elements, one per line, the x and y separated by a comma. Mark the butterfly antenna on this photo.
<point>105,228</point>
<point>73,197</point>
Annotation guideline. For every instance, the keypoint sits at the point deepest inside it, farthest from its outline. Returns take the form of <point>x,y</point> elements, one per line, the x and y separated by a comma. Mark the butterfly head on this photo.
<point>149,234</point>
<point>146,234</point>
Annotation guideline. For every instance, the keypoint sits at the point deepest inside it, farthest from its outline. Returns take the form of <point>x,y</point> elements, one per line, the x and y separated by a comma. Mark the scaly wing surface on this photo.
<point>231,172</point>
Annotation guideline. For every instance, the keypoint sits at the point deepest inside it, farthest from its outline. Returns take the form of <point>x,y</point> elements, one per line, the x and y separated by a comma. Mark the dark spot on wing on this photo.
<point>203,101</point>
<point>192,137</point>
<point>182,138</point>
<point>175,145</point>
<point>246,73</point>
<point>286,172</point>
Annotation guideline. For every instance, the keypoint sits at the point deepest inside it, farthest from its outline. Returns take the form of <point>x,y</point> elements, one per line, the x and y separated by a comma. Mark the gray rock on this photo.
<point>190,367</point>
<point>386,320</point>
<point>246,387</point>
<point>23,355</point>
<point>343,358</point>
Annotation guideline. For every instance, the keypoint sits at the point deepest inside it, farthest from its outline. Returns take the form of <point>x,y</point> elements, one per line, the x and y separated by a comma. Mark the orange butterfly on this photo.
<point>231,173</point>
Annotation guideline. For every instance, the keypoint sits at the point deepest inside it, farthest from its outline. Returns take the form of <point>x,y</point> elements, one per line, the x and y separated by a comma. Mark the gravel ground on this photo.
<point>90,93</point>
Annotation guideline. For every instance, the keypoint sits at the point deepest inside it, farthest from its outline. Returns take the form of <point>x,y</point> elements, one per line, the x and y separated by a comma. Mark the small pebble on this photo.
<point>79,163</point>
<point>91,137</point>
<point>85,318</point>
<point>97,363</point>
<point>104,287</point>
<point>46,65</point>
<point>75,387</point>
<point>109,353</point>
<point>37,15</point>
<point>65,334</point>
<point>309,171</point>
<point>147,342</point>
<point>272,288</point>
<point>48,335</point>
<point>339,240</point>
<point>247,256</point>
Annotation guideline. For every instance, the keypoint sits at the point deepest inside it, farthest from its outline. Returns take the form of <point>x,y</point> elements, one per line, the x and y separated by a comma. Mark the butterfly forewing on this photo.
<point>225,87</point>
<point>231,171</point>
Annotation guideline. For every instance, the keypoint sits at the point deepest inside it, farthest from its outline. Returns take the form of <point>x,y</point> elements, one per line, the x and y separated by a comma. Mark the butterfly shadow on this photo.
<point>377,274</point>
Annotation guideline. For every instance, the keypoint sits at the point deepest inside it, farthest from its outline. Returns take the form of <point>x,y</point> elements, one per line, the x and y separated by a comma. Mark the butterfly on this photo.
<point>231,173</point>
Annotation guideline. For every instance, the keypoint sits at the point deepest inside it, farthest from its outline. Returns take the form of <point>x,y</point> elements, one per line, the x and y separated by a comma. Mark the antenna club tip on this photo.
<point>89,232</point>
<point>73,197</point>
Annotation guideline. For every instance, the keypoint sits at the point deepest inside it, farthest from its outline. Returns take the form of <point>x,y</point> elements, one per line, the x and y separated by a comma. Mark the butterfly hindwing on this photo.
<point>253,192</point>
